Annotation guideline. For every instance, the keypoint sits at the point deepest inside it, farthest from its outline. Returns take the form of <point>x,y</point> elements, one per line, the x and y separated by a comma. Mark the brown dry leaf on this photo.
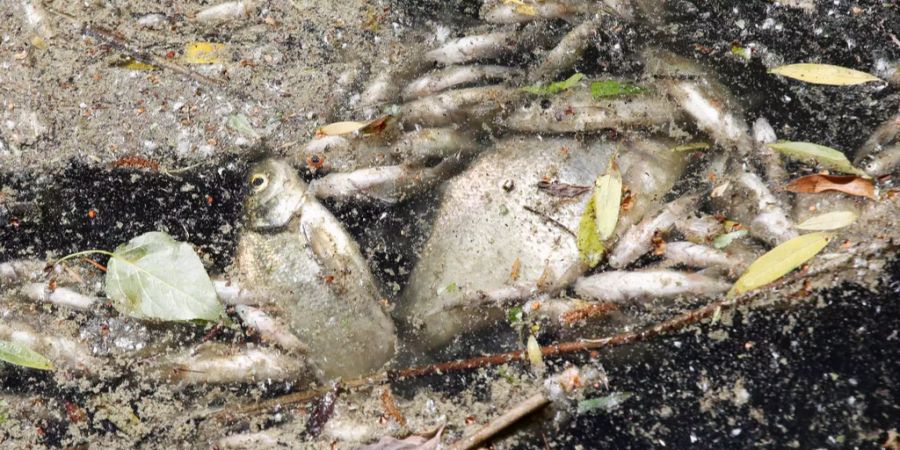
<point>658,242</point>
<point>390,406</point>
<point>338,128</point>
<point>848,184</point>
<point>515,270</point>
<point>377,125</point>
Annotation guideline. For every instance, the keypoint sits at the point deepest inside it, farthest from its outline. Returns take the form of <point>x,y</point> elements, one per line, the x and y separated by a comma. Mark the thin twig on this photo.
<point>109,38</point>
<point>119,43</point>
<point>549,219</point>
<point>673,324</point>
<point>499,424</point>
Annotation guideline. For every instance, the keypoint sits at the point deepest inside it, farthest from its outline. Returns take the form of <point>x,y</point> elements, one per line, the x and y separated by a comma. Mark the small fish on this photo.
<point>454,76</point>
<point>619,286</point>
<point>639,238</point>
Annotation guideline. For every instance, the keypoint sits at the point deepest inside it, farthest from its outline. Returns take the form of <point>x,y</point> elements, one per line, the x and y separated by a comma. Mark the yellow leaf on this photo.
<point>780,261</point>
<point>828,221</point>
<point>534,353</point>
<point>824,74</point>
<point>133,64</point>
<point>825,156</point>
<point>606,198</point>
<point>373,126</point>
<point>334,129</point>
<point>204,53</point>
<point>521,7</point>
<point>590,247</point>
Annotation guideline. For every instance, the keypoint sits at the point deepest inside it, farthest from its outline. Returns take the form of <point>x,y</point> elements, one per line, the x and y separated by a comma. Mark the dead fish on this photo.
<point>576,111</point>
<point>455,76</point>
<point>491,45</point>
<point>214,363</point>
<point>508,12</point>
<point>620,286</point>
<point>270,329</point>
<point>566,53</point>
<point>701,96</point>
<point>752,202</point>
<point>60,296</point>
<point>696,255</point>
<point>225,12</point>
<point>638,239</point>
<point>469,106</point>
<point>700,230</point>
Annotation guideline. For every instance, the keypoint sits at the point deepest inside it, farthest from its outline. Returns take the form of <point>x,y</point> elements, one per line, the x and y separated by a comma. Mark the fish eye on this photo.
<point>258,182</point>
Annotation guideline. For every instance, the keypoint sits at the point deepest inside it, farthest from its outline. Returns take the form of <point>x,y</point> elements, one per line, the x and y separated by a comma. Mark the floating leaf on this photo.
<point>815,153</point>
<point>20,355</point>
<point>724,240</point>
<point>612,88</point>
<point>521,7</point>
<point>533,349</point>
<point>555,88</point>
<point>828,221</point>
<point>590,246</point>
<point>606,403</point>
<point>741,52</point>
<point>847,184</point>
<point>515,314</point>
<point>451,288</point>
<point>377,125</point>
<point>204,53</point>
<point>824,74</point>
<point>241,124</point>
<point>156,277</point>
<point>691,147</point>
<point>606,198</point>
<point>780,261</point>
<point>133,64</point>
<point>338,128</point>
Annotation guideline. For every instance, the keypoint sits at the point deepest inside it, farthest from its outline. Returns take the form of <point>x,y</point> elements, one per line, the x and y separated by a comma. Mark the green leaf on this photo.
<point>612,88</point>
<point>824,74</point>
<point>20,355</point>
<point>590,247</point>
<point>724,240</point>
<point>606,403</point>
<point>554,88</point>
<point>241,124</point>
<point>156,277</point>
<point>514,315</point>
<point>780,261</point>
<point>814,153</point>
<point>606,198</point>
<point>828,221</point>
<point>741,52</point>
<point>451,288</point>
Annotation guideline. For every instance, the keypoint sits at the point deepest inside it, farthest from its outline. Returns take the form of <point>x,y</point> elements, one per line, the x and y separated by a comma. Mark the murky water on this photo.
<point>454,229</point>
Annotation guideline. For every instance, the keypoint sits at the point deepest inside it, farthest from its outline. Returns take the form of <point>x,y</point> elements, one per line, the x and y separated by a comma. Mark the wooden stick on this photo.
<point>520,410</point>
<point>672,324</point>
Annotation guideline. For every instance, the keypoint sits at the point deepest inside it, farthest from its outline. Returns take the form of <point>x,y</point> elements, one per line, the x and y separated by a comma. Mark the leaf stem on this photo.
<point>86,252</point>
